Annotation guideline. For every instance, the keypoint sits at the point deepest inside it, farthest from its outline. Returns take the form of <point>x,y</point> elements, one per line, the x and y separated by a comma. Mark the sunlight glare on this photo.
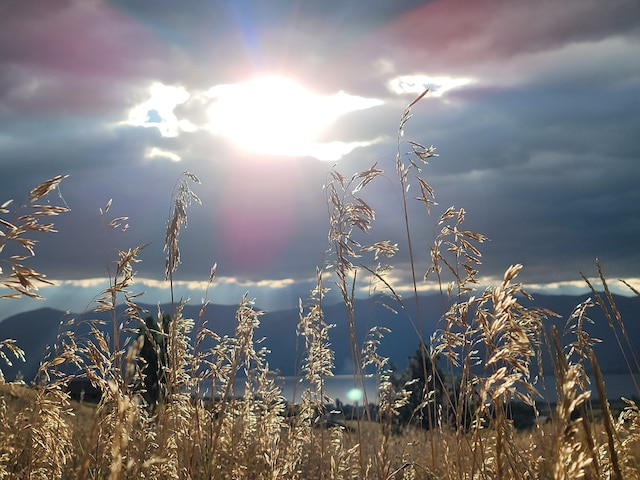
<point>276,116</point>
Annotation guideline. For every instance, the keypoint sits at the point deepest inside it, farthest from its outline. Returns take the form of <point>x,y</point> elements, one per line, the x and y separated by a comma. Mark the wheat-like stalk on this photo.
<point>23,281</point>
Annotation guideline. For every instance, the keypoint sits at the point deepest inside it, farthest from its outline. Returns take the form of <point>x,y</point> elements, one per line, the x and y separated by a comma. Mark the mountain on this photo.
<point>37,329</point>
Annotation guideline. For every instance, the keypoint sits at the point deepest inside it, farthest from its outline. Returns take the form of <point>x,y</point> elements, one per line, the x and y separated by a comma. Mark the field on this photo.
<point>452,414</point>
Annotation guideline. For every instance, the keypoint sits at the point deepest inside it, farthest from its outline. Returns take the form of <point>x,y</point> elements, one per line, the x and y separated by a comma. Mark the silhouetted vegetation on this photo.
<point>153,359</point>
<point>425,386</point>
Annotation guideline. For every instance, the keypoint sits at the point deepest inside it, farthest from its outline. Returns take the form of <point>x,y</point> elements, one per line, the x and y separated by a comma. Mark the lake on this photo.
<point>349,390</point>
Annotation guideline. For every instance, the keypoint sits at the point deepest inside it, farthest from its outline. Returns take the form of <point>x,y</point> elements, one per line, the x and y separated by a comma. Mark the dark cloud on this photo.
<point>46,37</point>
<point>450,33</point>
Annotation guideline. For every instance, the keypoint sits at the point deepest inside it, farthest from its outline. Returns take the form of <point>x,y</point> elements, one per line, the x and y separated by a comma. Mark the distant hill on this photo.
<point>37,329</point>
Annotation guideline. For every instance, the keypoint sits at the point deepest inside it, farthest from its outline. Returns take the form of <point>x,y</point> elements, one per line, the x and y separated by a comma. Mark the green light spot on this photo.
<point>354,395</point>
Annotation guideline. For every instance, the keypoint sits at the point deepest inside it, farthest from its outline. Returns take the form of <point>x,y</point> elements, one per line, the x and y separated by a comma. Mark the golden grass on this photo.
<point>253,434</point>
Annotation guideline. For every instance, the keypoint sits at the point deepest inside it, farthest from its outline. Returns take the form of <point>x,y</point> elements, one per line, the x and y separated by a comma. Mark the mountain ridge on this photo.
<point>36,329</point>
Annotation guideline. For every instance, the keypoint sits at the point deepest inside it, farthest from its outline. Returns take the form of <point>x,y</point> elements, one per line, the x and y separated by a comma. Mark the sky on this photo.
<point>534,108</point>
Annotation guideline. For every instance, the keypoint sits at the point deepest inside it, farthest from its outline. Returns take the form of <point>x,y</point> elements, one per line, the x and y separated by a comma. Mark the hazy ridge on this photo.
<point>35,330</point>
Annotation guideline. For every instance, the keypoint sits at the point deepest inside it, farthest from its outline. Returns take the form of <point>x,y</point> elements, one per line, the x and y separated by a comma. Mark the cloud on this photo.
<point>155,152</point>
<point>578,287</point>
<point>158,111</point>
<point>455,34</point>
<point>417,84</point>
<point>494,42</point>
<point>79,295</point>
<point>266,115</point>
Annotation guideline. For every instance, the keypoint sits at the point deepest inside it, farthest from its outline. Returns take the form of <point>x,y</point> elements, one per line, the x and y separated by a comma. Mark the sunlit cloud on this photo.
<point>275,294</point>
<point>416,84</point>
<point>276,116</point>
<point>79,295</point>
<point>159,153</point>
<point>271,283</point>
<point>195,285</point>
<point>84,282</point>
<point>268,115</point>
<point>165,284</point>
<point>400,285</point>
<point>158,111</point>
<point>203,284</point>
<point>579,287</point>
<point>403,286</point>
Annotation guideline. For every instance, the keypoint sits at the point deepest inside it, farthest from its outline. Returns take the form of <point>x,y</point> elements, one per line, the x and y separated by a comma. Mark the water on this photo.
<point>346,388</point>
<point>349,390</point>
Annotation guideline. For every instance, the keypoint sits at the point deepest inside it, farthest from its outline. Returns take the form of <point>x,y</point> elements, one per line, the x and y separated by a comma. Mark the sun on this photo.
<point>269,114</point>
<point>274,115</point>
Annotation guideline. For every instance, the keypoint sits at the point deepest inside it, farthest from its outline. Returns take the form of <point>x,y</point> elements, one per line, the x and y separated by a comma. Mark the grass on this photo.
<point>490,343</point>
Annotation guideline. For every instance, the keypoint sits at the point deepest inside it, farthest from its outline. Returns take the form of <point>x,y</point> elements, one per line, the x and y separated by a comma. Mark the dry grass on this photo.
<point>488,340</point>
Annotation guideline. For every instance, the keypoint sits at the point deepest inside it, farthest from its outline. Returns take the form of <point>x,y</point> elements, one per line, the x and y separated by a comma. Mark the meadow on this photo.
<point>452,415</point>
